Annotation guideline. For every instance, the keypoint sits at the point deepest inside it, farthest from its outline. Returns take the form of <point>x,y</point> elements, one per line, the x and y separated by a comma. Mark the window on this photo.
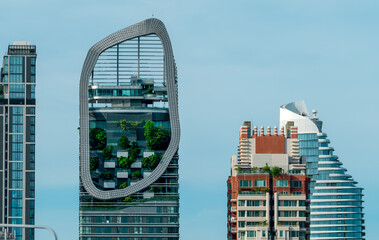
<point>251,233</point>
<point>260,183</point>
<point>301,214</point>
<point>301,203</point>
<point>245,183</point>
<point>241,203</point>
<point>281,183</point>
<point>241,213</point>
<point>241,224</point>
<point>263,233</point>
<point>251,203</point>
<point>16,91</point>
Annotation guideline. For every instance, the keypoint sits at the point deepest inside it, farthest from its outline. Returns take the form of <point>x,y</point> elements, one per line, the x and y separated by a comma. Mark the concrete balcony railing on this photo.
<point>122,174</point>
<point>109,184</point>
<point>234,209</point>
<point>109,164</point>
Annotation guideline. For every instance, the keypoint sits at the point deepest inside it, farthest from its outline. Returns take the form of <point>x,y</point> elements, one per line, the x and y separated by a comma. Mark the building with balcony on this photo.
<point>290,185</point>
<point>17,138</point>
<point>129,137</point>
<point>268,188</point>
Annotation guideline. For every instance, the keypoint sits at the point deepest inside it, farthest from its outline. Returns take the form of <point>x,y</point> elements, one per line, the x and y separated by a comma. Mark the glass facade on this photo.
<point>335,200</point>
<point>17,137</point>
<point>129,132</point>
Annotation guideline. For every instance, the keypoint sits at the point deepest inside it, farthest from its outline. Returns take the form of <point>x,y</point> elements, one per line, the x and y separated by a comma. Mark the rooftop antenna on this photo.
<point>152,15</point>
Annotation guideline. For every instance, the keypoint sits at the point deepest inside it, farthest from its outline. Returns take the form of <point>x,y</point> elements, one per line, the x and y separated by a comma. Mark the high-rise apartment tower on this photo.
<point>288,184</point>
<point>17,138</point>
<point>129,137</point>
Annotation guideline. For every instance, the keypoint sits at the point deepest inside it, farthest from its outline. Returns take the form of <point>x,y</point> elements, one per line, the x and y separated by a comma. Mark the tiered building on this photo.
<point>17,138</point>
<point>287,184</point>
<point>129,137</point>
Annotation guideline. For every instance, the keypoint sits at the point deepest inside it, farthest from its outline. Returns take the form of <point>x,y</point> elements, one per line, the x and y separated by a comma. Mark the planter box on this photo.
<point>137,165</point>
<point>109,184</point>
<point>109,164</point>
<point>148,194</point>
<point>146,174</point>
<point>122,154</point>
<point>147,154</point>
<point>122,174</point>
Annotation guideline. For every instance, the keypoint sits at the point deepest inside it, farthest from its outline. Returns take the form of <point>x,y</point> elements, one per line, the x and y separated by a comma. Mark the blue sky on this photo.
<point>237,60</point>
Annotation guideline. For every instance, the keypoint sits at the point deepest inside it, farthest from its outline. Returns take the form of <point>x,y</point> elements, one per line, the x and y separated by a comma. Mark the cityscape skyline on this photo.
<point>285,52</point>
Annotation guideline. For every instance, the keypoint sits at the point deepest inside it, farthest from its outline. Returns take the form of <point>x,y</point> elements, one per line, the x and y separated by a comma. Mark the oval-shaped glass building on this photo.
<point>129,137</point>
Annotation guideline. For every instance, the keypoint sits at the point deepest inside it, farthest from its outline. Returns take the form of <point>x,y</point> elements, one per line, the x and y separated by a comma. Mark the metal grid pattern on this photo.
<point>147,27</point>
<point>140,57</point>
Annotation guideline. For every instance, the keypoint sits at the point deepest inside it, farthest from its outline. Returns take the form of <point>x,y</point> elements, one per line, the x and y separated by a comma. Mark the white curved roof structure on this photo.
<point>297,112</point>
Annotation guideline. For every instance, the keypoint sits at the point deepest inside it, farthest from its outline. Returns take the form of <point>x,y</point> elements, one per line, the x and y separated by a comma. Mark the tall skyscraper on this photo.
<point>17,137</point>
<point>302,193</point>
<point>129,137</point>
<point>336,210</point>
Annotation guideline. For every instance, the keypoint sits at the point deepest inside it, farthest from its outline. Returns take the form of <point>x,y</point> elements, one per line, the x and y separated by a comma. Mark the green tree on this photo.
<point>97,139</point>
<point>128,199</point>
<point>266,168</point>
<point>124,142</point>
<point>125,162</point>
<point>123,185</point>
<point>136,174</point>
<point>134,150</point>
<point>157,138</point>
<point>123,124</point>
<point>275,172</point>
<point>151,162</point>
<point>106,175</point>
<point>93,163</point>
<point>107,152</point>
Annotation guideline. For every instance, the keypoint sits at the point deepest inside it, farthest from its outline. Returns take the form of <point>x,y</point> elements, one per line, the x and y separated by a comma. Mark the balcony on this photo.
<point>122,174</point>
<point>109,184</point>
<point>122,154</point>
<point>234,209</point>
<point>109,164</point>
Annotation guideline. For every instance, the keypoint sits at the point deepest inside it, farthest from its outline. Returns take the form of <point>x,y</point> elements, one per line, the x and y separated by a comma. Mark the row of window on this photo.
<point>251,213</point>
<point>251,203</point>
<point>291,203</point>
<point>133,230</point>
<point>125,219</point>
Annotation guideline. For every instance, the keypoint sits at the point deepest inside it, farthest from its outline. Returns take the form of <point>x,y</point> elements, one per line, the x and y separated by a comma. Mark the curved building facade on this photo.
<point>335,200</point>
<point>129,137</point>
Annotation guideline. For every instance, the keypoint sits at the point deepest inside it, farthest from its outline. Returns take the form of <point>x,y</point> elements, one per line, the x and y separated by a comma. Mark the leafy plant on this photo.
<point>266,168</point>
<point>149,90</point>
<point>265,223</point>
<point>107,152</point>
<point>97,138</point>
<point>266,189</point>
<point>254,169</point>
<point>124,142</point>
<point>106,176</point>
<point>275,172</point>
<point>125,162</point>
<point>93,163</point>
<point>136,174</point>
<point>151,162</point>
<point>134,150</point>
<point>123,185</point>
<point>134,124</point>
<point>157,138</point>
<point>238,169</point>
<point>128,199</point>
<point>156,188</point>
<point>123,125</point>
